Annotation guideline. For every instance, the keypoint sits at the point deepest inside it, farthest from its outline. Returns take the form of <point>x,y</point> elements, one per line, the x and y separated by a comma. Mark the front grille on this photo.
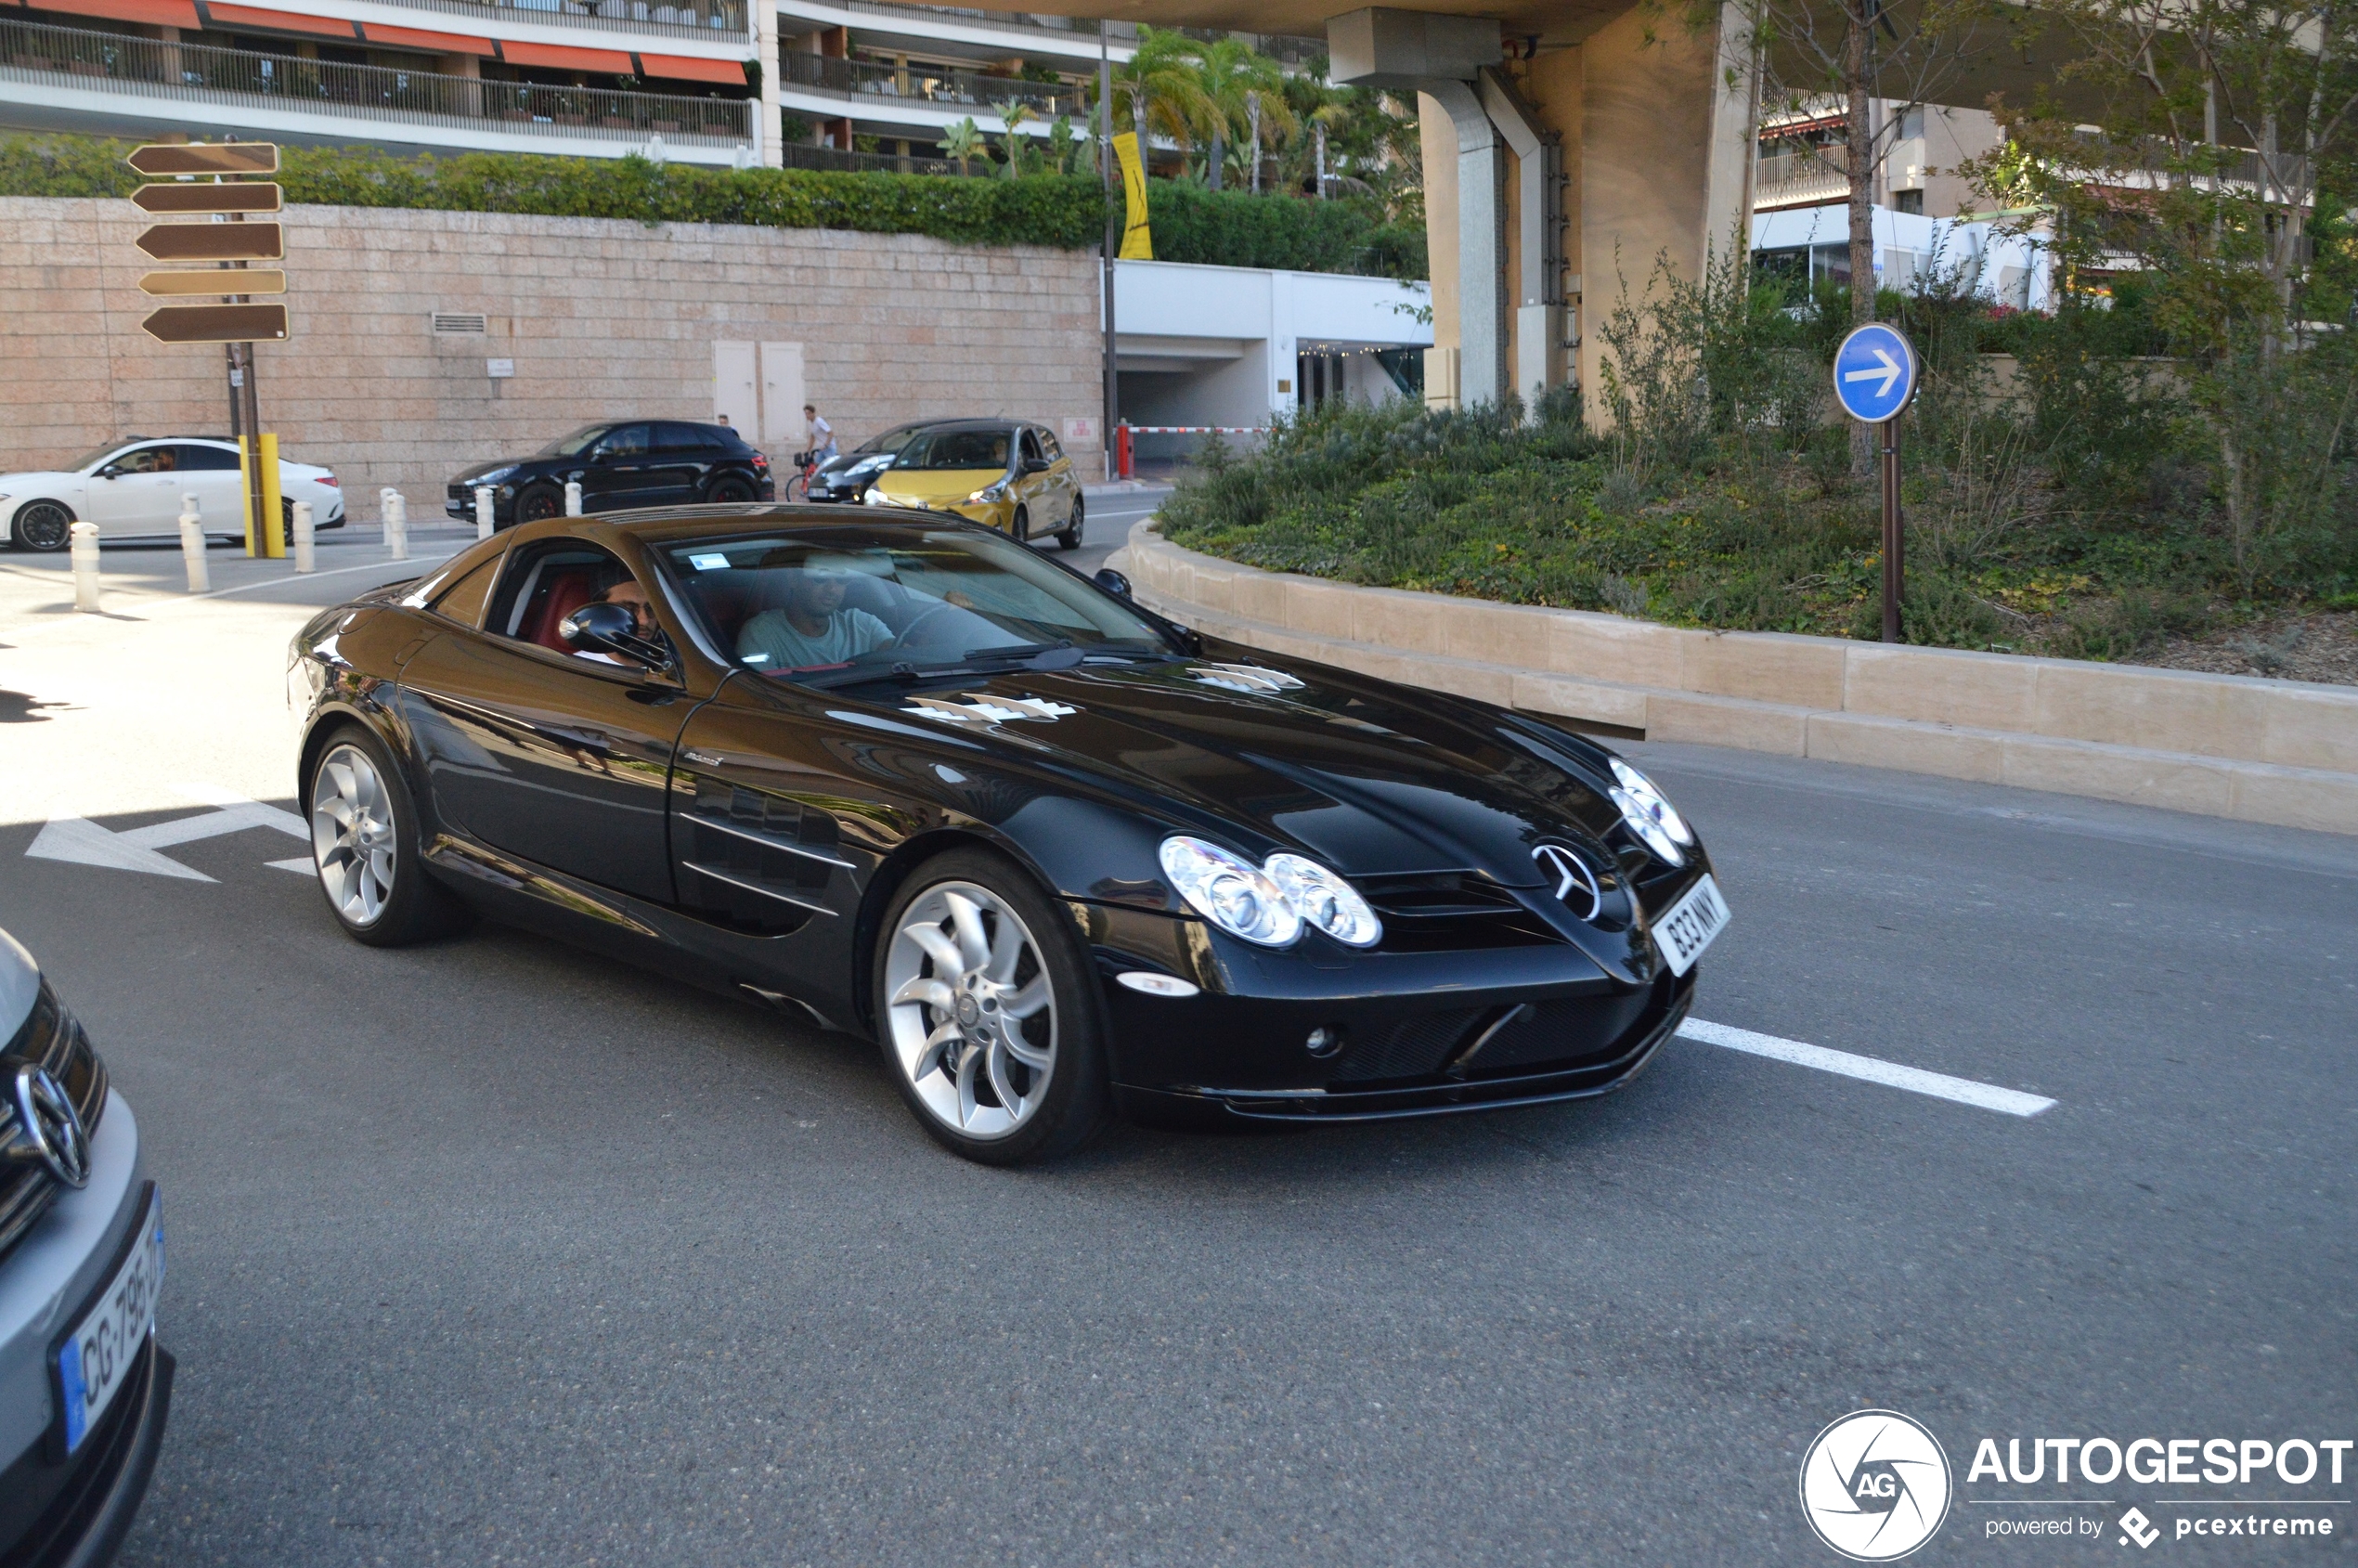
<point>1412,1048</point>
<point>1450,911</point>
<point>53,1039</point>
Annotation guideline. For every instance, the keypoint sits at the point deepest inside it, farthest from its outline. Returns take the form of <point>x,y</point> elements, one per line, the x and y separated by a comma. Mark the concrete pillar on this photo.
<point>1438,140</point>
<point>1480,290</point>
<point>769,139</point>
<point>1536,276</point>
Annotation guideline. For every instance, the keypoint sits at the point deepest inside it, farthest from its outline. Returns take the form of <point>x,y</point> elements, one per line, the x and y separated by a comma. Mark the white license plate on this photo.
<point>1688,926</point>
<point>97,1358</point>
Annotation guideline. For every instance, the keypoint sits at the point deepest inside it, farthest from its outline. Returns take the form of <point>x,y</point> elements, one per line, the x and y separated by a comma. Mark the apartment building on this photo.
<point>1803,159</point>
<point>581,77</point>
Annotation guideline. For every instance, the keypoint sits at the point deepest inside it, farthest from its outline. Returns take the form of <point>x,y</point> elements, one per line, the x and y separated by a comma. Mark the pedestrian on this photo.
<point>823,435</point>
<point>722,421</point>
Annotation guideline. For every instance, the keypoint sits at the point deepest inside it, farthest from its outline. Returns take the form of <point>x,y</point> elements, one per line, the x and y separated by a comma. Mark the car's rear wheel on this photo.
<point>1070,538</point>
<point>729,487</point>
<point>365,844</point>
<point>43,525</point>
<point>537,501</point>
<point>985,1011</point>
<point>1021,527</point>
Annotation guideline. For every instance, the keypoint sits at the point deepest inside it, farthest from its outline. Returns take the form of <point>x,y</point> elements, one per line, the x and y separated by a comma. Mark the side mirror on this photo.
<point>1035,465</point>
<point>1113,582</point>
<point>611,629</point>
<point>600,455</point>
<point>110,472</point>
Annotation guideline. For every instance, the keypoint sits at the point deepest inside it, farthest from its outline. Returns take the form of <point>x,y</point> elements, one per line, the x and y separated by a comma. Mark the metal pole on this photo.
<point>236,382</point>
<point>258,542</point>
<point>1105,178</point>
<point>1894,566</point>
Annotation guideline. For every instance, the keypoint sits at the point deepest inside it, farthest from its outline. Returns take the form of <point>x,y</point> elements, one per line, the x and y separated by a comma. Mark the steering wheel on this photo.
<point>909,633</point>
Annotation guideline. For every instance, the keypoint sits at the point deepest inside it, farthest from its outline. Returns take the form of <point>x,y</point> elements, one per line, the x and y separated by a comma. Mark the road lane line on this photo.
<point>1874,1069</point>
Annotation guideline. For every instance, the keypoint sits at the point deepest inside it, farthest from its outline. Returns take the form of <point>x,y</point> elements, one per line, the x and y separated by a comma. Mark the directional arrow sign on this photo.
<point>206,157</point>
<point>217,281</point>
<point>217,323</point>
<point>1875,373</point>
<point>254,196</point>
<point>214,241</point>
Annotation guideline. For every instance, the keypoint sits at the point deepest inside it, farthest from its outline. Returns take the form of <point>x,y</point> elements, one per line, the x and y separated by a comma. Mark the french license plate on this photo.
<point>1688,926</point>
<point>96,1360</point>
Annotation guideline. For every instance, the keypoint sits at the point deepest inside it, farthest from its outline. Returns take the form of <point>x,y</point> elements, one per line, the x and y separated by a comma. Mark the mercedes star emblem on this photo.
<point>52,1125</point>
<point>1572,877</point>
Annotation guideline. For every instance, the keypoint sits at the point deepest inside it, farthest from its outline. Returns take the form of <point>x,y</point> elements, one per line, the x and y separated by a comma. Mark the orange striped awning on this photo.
<point>226,15</point>
<point>561,57</point>
<point>687,67</point>
<point>419,38</point>
<point>155,13</point>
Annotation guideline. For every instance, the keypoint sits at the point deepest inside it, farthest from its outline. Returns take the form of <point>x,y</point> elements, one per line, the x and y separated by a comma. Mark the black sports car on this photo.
<point>907,778</point>
<point>619,464</point>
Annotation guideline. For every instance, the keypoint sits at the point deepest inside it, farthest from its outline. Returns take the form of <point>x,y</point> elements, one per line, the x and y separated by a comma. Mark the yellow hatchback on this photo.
<point>1007,474</point>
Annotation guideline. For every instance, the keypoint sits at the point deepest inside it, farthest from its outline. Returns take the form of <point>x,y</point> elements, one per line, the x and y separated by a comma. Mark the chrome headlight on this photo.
<point>1230,891</point>
<point>1650,815</point>
<point>1325,900</point>
<point>989,493</point>
<point>493,476</point>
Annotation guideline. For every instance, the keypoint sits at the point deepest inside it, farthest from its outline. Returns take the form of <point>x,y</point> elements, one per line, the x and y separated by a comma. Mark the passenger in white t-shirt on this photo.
<point>813,627</point>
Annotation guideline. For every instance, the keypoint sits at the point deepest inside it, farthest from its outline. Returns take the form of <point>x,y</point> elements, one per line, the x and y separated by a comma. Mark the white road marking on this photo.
<point>299,864</point>
<point>1874,1069</point>
<point>81,842</point>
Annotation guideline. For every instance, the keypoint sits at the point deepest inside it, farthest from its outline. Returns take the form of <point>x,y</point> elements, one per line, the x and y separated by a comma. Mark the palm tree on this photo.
<point>1013,113</point>
<point>1244,88</point>
<point>963,143</point>
<point>1160,90</point>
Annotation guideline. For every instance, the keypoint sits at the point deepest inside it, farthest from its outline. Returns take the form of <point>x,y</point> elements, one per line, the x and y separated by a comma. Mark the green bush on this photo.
<point>1226,228</point>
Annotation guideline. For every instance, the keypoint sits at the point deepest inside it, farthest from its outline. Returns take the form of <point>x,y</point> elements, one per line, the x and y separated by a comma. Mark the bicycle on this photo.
<point>798,484</point>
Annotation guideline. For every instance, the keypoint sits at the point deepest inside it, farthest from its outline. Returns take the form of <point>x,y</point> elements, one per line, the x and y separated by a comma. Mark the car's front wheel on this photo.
<point>986,1014</point>
<point>539,501</point>
<point>43,525</point>
<point>365,844</point>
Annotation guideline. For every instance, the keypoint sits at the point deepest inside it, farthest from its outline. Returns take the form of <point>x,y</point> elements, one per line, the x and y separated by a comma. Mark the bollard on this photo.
<point>86,565</point>
<point>192,545</point>
<point>303,539</point>
<point>484,524</point>
<point>573,498</point>
<point>397,516</point>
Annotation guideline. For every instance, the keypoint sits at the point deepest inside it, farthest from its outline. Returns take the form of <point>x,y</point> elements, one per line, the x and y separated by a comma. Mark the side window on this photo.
<point>1031,445</point>
<point>1048,444</point>
<point>625,441</point>
<point>681,438</point>
<point>195,458</point>
<point>547,582</point>
<point>462,600</point>
<point>146,460</point>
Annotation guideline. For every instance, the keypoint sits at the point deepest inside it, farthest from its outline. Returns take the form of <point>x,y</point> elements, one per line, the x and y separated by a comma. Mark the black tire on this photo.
<point>42,525</point>
<point>1076,1101</point>
<point>1020,524</point>
<point>537,501</point>
<point>417,908</point>
<point>729,489</point>
<point>1070,538</point>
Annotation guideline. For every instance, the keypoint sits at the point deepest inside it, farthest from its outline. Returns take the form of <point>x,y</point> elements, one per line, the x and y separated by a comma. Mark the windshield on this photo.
<point>845,602</point>
<point>574,444</point>
<point>93,458</point>
<point>889,442</point>
<point>956,448</point>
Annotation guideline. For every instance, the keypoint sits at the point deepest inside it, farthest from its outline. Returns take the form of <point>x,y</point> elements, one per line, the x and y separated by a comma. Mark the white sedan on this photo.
<point>132,489</point>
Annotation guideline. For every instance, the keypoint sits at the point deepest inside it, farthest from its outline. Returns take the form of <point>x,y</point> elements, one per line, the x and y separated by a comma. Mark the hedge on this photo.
<point>1226,228</point>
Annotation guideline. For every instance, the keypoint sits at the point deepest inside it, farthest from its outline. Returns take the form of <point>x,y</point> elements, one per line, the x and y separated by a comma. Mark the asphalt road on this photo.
<point>494,1252</point>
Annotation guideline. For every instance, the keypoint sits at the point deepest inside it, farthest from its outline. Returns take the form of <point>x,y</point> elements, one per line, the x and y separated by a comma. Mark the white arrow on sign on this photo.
<point>83,842</point>
<point>1892,371</point>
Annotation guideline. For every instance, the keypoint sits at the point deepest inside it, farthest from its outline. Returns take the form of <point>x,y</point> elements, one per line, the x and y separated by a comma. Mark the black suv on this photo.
<point>619,463</point>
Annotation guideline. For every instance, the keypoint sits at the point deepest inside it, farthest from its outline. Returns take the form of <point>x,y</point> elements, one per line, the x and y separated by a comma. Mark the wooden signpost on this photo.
<point>209,180</point>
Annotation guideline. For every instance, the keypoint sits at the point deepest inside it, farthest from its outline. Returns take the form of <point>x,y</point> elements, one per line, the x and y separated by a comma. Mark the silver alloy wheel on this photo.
<point>352,837</point>
<point>971,1012</point>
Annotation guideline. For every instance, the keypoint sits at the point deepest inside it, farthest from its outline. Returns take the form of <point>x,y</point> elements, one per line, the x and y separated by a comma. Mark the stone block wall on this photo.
<point>602,318</point>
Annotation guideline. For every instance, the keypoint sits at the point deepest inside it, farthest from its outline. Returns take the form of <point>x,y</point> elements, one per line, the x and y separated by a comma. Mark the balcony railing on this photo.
<point>32,52</point>
<point>1009,20</point>
<point>699,18</point>
<point>802,155</point>
<point>1793,179</point>
<point>918,84</point>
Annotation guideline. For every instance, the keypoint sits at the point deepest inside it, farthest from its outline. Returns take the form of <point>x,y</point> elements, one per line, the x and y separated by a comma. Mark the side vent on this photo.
<point>460,324</point>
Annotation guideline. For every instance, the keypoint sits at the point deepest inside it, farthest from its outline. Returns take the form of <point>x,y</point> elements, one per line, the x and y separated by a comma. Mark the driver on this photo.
<point>633,596</point>
<point>812,627</point>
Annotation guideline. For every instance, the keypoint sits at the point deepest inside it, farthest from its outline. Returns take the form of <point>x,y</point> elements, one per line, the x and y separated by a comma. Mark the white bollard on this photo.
<point>573,498</point>
<point>86,565</point>
<point>397,516</point>
<point>484,524</point>
<point>192,546</point>
<point>303,539</point>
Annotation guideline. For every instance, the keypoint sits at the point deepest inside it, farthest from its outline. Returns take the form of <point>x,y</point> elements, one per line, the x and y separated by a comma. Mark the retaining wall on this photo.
<point>2274,751</point>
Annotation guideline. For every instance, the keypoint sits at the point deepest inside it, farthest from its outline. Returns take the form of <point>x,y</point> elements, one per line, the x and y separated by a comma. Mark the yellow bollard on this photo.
<point>272,541</point>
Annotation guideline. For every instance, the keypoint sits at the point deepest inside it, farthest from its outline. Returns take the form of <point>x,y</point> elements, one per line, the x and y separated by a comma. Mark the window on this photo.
<point>946,449</point>
<point>204,459</point>
<point>1031,447</point>
<point>625,441</point>
<point>686,438</point>
<point>548,582</point>
<point>462,602</point>
<point>1909,201</point>
<point>148,460</point>
<point>1048,444</point>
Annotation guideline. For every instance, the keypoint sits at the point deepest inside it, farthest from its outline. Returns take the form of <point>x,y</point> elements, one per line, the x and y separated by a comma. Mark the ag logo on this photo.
<point>1874,1485</point>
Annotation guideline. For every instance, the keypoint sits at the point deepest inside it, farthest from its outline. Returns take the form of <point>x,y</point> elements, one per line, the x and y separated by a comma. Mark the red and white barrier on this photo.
<point>1124,457</point>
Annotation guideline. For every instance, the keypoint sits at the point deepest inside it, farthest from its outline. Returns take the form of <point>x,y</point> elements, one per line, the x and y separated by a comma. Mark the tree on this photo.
<point>2221,174</point>
<point>1159,90</point>
<point>1014,114</point>
<point>963,143</point>
<point>1240,87</point>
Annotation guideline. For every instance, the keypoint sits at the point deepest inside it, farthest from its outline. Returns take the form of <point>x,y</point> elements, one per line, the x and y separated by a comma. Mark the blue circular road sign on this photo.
<point>1875,372</point>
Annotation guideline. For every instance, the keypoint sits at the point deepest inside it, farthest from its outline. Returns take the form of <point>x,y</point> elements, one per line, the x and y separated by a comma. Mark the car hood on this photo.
<point>18,483</point>
<point>1266,754</point>
<point>935,484</point>
<point>494,466</point>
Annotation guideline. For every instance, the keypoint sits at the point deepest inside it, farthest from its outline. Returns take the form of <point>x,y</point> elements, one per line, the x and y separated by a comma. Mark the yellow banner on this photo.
<point>1137,240</point>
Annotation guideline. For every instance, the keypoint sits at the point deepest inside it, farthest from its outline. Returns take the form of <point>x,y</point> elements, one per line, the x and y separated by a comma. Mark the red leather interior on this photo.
<point>565,595</point>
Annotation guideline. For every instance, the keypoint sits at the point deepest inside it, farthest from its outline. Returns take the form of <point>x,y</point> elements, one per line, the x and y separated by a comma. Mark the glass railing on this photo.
<point>860,79</point>
<point>30,51</point>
